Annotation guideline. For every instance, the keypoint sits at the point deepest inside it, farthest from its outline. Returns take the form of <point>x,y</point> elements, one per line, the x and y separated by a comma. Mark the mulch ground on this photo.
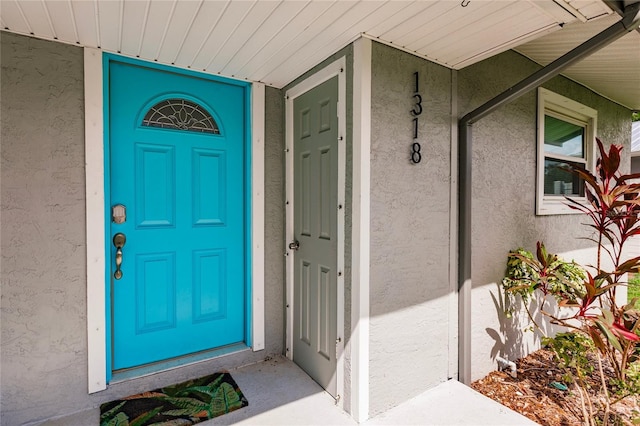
<point>534,393</point>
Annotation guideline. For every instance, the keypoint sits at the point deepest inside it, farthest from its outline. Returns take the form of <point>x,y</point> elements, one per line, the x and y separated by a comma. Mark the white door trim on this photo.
<point>337,68</point>
<point>95,219</point>
<point>94,172</point>
<point>257,216</point>
<point>360,246</point>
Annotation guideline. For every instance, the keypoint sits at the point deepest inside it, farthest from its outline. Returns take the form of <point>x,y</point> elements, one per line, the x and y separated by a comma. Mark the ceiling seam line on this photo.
<point>282,27</point>
<point>24,17</point>
<point>213,27</point>
<point>96,14</point>
<point>187,31</point>
<point>166,30</point>
<point>46,11</point>
<point>120,24</point>
<point>73,20</point>
<point>249,38</point>
<point>231,33</point>
<point>144,27</point>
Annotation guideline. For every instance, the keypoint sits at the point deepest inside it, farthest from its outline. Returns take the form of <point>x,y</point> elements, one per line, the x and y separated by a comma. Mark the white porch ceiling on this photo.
<point>613,71</point>
<point>275,41</point>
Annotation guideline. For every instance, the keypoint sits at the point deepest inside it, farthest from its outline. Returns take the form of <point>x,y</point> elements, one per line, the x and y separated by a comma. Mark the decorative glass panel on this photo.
<point>563,138</point>
<point>560,180</point>
<point>180,114</point>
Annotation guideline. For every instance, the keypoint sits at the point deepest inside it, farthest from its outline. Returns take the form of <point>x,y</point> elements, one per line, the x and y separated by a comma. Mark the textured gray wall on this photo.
<point>43,308</point>
<point>274,221</point>
<point>504,178</point>
<point>43,304</point>
<point>409,287</point>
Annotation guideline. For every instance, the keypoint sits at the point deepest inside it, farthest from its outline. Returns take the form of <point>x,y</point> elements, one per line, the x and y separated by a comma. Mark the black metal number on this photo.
<point>418,105</point>
<point>416,157</point>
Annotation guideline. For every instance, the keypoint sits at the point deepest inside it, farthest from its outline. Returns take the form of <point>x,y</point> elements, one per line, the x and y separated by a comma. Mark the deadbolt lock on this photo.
<point>119,214</point>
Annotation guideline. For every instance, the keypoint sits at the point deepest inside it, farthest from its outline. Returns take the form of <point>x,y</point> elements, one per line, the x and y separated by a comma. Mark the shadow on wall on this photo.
<point>519,333</point>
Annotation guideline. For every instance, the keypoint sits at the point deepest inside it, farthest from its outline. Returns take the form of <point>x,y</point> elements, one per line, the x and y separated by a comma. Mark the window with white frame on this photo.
<point>566,139</point>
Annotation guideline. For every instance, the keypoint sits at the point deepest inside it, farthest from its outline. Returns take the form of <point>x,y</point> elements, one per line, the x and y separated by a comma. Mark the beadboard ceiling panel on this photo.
<point>275,41</point>
<point>613,72</point>
<point>177,28</point>
<point>12,14</point>
<point>516,20</point>
<point>84,16</point>
<point>280,18</point>
<point>276,47</point>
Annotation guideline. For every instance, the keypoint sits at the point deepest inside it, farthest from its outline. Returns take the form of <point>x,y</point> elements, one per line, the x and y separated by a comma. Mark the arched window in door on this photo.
<point>180,114</point>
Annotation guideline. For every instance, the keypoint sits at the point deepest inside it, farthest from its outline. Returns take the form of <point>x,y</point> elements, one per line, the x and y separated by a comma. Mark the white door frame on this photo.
<point>95,219</point>
<point>337,68</point>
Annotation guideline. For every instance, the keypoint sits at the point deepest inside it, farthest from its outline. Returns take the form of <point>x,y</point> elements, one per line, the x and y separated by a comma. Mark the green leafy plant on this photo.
<point>613,209</point>
<point>571,351</point>
<point>546,272</point>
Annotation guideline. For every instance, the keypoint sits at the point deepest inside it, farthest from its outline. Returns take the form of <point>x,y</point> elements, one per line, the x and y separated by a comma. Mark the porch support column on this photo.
<point>360,251</point>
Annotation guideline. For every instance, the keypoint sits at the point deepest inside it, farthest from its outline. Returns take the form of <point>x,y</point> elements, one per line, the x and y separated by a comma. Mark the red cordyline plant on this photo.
<point>613,208</point>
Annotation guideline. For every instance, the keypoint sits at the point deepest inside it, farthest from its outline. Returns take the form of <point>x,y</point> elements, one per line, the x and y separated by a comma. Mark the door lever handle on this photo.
<point>294,245</point>
<point>119,241</point>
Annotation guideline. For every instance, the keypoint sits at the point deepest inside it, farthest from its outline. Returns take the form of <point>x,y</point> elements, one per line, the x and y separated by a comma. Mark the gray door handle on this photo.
<point>118,241</point>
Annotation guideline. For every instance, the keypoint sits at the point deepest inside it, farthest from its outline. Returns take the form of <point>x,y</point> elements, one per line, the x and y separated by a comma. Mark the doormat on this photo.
<point>186,403</point>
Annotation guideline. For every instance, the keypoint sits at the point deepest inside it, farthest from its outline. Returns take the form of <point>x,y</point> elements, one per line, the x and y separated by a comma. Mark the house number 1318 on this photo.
<point>416,156</point>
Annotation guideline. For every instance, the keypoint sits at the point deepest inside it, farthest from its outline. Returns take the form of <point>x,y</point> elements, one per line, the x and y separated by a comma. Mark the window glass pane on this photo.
<point>559,180</point>
<point>180,114</point>
<point>561,137</point>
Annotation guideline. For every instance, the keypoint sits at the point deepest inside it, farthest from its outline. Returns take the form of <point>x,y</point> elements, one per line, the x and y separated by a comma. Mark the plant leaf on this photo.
<point>619,330</point>
<point>609,335</point>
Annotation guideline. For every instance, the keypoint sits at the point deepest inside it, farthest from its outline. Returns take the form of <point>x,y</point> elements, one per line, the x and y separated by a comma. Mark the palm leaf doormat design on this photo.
<point>186,403</point>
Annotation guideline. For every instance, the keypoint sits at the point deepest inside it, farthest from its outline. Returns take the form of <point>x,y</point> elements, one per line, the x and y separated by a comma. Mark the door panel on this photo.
<point>182,179</point>
<point>315,227</point>
<point>155,185</point>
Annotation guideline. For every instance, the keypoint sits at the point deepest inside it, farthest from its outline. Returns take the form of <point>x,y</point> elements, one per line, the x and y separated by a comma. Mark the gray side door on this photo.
<point>315,227</point>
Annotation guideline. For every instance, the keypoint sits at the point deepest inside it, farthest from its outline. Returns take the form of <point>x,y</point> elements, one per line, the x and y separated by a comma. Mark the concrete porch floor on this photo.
<point>280,393</point>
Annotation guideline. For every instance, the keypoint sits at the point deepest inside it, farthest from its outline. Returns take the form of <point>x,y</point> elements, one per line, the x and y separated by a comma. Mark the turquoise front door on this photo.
<point>177,195</point>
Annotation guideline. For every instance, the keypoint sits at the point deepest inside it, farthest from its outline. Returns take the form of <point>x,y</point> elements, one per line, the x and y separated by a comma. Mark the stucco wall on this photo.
<point>410,208</point>
<point>43,308</point>
<point>43,238</point>
<point>504,177</point>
